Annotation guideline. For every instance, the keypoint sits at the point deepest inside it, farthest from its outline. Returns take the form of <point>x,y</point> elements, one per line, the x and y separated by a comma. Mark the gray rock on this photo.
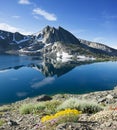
<point>12,123</point>
<point>115,95</point>
<point>101,100</point>
<point>109,96</point>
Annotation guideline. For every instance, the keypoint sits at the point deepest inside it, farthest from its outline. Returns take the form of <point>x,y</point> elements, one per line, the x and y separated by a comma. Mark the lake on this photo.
<point>26,76</point>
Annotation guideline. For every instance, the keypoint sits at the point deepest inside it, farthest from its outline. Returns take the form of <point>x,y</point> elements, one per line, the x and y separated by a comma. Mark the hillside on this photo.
<point>92,111</point>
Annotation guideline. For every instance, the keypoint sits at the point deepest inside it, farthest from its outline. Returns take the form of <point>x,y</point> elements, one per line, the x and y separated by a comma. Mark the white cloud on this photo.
<point>16,16</point>
<point>7,27</point>
<point>26,2</point>
<point>45,81</point>
<point>46,15</point>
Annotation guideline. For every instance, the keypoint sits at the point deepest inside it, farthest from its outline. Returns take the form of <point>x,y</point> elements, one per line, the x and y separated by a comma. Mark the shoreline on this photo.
<point>67,95</point>
<point>106,119</point>
<point>61,94</point>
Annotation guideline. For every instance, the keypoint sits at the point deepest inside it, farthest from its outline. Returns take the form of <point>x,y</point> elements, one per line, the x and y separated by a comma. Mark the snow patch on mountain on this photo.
<point>49,44</point>
<point>83,58</point>
<point>24,40</point>
<point>63,56</point>
<point>26,51</point>
<point>38,36</point>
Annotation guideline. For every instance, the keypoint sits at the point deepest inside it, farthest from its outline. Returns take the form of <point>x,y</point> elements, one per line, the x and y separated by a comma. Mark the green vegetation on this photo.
<point>51,107</point>
<point>31,108</point>
<point>26,108</point>
<point>2,122</point>
<point>82,105</point>
<point>54,112</point>
<point>48,107</point>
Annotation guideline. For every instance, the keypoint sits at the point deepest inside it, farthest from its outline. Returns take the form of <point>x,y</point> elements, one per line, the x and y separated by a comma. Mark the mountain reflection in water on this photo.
<point>26,76</point>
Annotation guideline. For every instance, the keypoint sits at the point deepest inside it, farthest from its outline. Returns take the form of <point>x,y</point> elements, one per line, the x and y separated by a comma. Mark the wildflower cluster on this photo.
<point>66,112</point>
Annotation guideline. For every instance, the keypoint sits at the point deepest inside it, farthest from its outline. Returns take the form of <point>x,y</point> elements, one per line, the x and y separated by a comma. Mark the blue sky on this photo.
<point>94,20</point>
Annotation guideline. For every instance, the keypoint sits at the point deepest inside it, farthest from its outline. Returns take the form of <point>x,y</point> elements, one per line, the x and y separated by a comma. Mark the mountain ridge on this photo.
<point>52,41</point>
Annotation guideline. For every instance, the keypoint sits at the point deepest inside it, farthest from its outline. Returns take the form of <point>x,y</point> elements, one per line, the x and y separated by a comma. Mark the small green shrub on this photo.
<point>82,105</point>
<point>38,108</point>
<point>48,107</point>
<point>69,103</point>
<point>90,107</point>
<point>26,108</point>
<point>32,108</point>
<point>51,106</point>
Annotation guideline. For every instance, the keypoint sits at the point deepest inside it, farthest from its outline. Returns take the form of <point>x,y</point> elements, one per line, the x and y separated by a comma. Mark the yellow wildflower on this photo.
<point>65,112</point>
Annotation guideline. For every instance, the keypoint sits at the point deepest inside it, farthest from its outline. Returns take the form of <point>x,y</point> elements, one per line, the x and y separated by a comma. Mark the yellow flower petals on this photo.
<point>60,113</point>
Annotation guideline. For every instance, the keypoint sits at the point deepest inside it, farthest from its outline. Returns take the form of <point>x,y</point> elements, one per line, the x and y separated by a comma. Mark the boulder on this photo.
<point>100,100</point>
<point>12,123</point>
<point>109,96</point>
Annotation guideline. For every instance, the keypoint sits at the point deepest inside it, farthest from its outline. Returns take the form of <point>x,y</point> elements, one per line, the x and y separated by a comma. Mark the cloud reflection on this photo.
<point>3,71</point>
<point>45,81</point>
<point>21,94</point>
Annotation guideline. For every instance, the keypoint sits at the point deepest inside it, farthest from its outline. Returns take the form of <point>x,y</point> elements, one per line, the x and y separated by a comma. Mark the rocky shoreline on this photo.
<point>12,119</point>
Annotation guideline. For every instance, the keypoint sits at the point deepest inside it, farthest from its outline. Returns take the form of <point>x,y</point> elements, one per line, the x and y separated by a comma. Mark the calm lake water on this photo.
<point>23,76</point>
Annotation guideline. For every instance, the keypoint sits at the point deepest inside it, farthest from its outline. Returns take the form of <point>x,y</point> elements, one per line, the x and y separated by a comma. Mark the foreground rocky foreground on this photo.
<point>11,117</point>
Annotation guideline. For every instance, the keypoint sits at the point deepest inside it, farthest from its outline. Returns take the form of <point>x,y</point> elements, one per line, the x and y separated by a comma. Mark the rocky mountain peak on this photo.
<point>47,28</point>
<point>52,41</point>
<point>52,35</point>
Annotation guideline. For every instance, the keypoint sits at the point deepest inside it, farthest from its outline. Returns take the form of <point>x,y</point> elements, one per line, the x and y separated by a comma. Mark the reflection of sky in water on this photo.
<point>21,94</point>
<point>46,81</point>
<point>17,84</point>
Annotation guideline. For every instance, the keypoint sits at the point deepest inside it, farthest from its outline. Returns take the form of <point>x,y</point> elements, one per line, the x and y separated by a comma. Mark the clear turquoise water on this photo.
<point>22,76</point>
